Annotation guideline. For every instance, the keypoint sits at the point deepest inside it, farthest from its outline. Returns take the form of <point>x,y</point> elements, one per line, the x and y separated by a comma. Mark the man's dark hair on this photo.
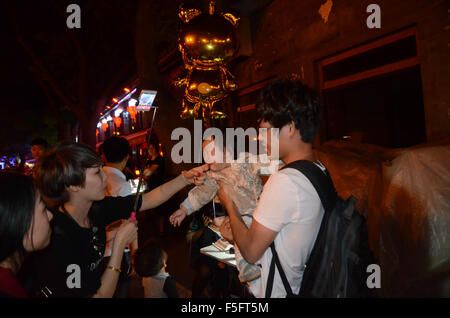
<point>149,259</point>
<point>39,142</point>
<point>65,166</point>
<point>285,101</point>
<point>154,140</point>
<point>17,203</point>
<point>116,149</point>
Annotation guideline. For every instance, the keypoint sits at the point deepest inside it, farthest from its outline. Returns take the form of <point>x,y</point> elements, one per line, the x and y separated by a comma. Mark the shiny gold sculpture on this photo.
<point>207,42</point>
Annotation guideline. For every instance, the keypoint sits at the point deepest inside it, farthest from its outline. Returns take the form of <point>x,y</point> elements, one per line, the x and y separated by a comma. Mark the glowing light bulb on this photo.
<point>204,88</point>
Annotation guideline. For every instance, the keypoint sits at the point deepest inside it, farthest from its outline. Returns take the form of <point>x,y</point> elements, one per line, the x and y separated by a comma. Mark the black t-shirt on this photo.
<point>157,178</point>
<point>75,250</point>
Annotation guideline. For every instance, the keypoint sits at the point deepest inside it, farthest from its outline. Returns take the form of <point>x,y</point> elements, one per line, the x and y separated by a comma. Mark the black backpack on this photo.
<point>338,262</point>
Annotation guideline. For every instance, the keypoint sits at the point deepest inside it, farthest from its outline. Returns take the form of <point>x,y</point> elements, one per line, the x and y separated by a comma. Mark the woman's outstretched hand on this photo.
<point>196,175</point>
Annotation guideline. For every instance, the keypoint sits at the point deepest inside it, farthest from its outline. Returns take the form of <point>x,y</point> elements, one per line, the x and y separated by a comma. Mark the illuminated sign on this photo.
<point>146,100</point>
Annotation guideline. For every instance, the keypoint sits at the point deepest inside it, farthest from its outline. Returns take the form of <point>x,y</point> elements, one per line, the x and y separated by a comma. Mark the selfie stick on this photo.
<point>133,216</point>
<point>141,175</point>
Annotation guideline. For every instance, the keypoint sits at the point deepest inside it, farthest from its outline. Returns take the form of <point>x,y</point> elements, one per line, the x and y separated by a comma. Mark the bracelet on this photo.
<point>184,178</point>
<point>114,269</point>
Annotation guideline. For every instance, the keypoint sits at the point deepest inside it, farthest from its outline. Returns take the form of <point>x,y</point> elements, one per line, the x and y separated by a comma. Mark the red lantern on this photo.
<point>105,126</point>
<point>117,121</point>
<point>132,111</point>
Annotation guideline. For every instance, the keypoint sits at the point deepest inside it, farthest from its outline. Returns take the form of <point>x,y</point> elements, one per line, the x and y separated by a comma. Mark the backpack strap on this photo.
<point>269,284</point>
<point>324,187</point>
<point>276,261</point>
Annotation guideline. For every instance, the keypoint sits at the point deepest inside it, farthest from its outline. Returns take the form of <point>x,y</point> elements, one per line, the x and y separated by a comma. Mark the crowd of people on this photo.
<point>85,252</point>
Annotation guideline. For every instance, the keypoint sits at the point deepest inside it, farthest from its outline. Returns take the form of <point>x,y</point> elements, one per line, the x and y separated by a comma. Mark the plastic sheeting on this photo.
<point>353,167</point>
<point>405,195</point>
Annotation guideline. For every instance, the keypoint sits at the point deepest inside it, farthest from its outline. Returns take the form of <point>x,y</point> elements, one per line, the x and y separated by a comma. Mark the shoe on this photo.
<point>248,272</point>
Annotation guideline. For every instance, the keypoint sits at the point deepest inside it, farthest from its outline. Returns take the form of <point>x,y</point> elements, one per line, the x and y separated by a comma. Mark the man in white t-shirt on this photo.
<point>289,210</point>
<point>116,151</point>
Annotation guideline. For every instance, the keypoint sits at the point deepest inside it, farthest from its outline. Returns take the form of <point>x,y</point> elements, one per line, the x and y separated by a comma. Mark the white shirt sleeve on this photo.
<point>200,195</point>
<point>117,187</point>
<point>125,189</point>
<point>278,204</point>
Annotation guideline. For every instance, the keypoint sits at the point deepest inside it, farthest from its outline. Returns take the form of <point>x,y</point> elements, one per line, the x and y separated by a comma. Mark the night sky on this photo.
<point>22,92</point>
<point>105,40</point>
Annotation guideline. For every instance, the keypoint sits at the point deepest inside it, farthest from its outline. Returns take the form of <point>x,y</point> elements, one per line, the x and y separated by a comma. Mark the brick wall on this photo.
<point>289,36</point>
